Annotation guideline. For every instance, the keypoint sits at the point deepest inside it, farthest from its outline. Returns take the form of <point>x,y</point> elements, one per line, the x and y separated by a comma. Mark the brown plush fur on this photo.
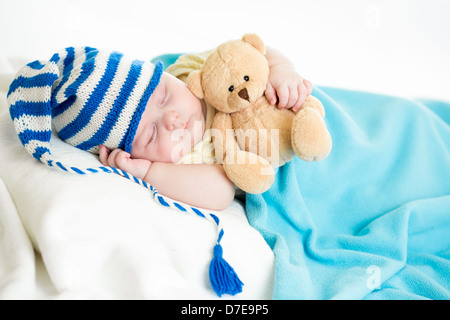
<point>251,136</point>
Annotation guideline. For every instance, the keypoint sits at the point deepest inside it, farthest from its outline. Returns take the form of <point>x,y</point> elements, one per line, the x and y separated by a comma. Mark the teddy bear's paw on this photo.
<point>249,172</point>
<point>313,102</point>
<point>311,140</point>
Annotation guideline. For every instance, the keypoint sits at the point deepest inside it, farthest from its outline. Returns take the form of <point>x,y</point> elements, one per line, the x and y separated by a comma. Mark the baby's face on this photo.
<point>172,123</point>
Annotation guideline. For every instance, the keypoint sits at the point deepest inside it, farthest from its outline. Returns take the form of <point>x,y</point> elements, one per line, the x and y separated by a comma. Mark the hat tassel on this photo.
<point>222,276</point>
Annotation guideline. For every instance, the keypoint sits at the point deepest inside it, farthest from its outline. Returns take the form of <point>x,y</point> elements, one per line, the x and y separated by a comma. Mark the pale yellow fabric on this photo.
<point>187,63</point>
<point>203,152</point>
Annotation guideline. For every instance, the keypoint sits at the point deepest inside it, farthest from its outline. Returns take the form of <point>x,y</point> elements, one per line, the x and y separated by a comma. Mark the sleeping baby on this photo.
<point>135,116</point>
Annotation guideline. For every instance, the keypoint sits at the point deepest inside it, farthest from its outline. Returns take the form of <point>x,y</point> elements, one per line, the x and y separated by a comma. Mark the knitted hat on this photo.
<point>96,97</point>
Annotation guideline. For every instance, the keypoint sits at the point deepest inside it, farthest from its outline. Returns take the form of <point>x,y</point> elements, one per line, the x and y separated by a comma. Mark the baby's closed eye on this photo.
<point>153,134</point>
<point>163,96</point>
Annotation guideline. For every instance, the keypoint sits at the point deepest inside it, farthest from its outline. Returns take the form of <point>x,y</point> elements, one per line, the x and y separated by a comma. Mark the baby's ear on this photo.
<point>194,83</point>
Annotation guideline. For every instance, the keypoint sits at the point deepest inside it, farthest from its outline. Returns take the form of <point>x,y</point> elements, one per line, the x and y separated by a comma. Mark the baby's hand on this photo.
<point>122,160</point>
<point>288,86</point>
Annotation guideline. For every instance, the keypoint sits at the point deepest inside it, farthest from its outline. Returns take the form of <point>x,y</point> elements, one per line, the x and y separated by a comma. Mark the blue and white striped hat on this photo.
<point>91,97</point>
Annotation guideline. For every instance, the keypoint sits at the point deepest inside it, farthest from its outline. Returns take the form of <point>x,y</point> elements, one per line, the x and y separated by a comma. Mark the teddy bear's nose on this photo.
<point>244,94</point>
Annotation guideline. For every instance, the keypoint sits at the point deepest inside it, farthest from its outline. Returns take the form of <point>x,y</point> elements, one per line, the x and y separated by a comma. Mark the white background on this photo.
<point>398,47</point>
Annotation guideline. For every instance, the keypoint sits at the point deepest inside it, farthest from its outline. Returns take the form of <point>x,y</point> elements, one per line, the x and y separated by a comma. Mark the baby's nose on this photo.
<point>171,120</point>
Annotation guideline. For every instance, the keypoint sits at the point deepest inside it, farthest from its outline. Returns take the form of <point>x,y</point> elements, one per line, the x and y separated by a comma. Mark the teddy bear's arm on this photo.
<point>246,170</point>
<point>223,135</point>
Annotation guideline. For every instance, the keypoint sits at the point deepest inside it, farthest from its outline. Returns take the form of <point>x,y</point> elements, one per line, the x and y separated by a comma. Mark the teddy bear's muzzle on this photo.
<point>244,94</point>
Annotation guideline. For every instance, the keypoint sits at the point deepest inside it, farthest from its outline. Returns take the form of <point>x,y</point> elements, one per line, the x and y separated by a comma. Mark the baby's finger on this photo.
<point>283,96</point>
<point>112,157</point>
<point>103,153</point>
<point>123,161</point>
<point>301,97</point>
<point>271,94</point>
<point>303,94</point>
<point>293,97</point>
<point>298,103</point>
<point>308,85</point>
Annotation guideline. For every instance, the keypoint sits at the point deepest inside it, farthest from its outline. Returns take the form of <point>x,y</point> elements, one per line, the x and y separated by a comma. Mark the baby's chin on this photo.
<point>178,153</point>
<point>198,128</point>
<point>184,147</point>
<point>187,139</point>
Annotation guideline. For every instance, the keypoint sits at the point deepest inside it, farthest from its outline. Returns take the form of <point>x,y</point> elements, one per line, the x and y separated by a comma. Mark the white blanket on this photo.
<point>65,236</point>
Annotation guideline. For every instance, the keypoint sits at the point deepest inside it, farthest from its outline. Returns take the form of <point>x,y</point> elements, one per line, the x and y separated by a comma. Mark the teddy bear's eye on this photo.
<point>231,88</point>
<point>246,78</point>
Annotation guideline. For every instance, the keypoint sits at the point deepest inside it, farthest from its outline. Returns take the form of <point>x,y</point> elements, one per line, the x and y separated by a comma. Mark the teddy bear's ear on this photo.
<point>255,41</point>
<point>194,83</point>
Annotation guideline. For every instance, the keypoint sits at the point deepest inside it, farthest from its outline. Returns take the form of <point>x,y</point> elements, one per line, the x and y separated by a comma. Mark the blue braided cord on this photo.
<point>115,170</point>
<point>220,236</point>
<point>162,201</point>
<point>167,202</point>
<point>179,207</point>
<point>216,219</point>
<point>61,166</point>
<point>77,170</point>
<point>198,212</point>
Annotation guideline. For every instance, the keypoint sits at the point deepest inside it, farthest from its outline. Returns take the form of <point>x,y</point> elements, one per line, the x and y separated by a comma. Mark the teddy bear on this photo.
<point>252,137</point>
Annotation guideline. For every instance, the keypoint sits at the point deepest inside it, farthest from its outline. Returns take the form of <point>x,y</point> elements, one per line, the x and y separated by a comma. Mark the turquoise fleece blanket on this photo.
<point>372,221</point>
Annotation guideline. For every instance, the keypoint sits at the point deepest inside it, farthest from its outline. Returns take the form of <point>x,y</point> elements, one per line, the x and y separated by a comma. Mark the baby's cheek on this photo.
<point>179,145</point>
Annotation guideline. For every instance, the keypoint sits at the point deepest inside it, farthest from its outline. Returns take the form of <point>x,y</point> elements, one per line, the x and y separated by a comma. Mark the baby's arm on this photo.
<point>199,185</point>
<point>284,82</point>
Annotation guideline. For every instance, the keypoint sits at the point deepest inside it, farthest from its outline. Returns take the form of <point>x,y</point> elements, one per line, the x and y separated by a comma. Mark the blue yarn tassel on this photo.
<point>222,276</point>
